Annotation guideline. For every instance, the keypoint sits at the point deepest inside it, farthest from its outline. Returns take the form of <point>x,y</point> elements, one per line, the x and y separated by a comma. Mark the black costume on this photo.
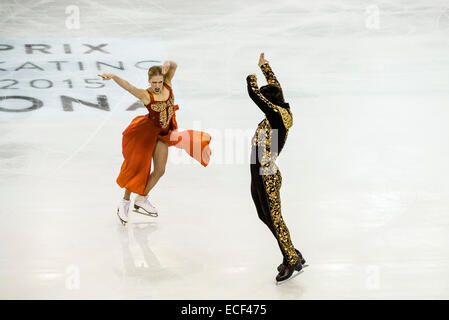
<point>266,179</point>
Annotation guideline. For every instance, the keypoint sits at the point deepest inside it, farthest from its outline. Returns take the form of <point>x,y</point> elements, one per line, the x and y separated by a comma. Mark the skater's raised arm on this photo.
<point>168,71</point>
<point>267,71</point>
<point>254,93</point>
<point>138,93</point>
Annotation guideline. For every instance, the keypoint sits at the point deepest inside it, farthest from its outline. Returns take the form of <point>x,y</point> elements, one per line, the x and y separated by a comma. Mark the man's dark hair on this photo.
<point>272,93</point>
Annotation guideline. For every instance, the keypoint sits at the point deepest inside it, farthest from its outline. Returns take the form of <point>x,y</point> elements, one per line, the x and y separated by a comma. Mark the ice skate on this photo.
<point>122,211</point>
<point>143,202</point>
<point>289,272</point>
<point>303,262</point>
<point>282,266</point>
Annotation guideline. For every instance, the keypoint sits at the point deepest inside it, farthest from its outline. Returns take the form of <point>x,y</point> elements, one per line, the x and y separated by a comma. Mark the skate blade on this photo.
<point>294,275</point>
<point>145,212</point>
<point>121,220</point>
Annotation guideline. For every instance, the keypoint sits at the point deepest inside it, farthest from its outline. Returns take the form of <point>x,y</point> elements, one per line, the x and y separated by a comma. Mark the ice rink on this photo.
<point>365,169</point>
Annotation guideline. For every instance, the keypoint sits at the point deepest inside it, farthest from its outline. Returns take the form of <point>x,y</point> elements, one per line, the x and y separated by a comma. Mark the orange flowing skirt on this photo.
<point>139,140</point>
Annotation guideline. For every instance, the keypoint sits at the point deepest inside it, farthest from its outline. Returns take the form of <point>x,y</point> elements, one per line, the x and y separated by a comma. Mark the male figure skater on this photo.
<point>266,180</point>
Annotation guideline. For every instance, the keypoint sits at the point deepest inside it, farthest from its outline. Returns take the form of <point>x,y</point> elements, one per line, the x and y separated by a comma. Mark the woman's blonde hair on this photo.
<point>154,71</point>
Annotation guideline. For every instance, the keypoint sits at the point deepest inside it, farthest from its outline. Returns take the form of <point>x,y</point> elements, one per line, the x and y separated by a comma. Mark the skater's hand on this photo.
<point>165,67</point>
<point>262,59</point>
<point>250,78</point>
<point>107,76</point>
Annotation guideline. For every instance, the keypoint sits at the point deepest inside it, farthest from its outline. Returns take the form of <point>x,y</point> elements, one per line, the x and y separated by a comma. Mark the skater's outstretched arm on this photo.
<point>138,93</point>
<point>168,71</point>
<point>268,72</point>
<point>263,103</point>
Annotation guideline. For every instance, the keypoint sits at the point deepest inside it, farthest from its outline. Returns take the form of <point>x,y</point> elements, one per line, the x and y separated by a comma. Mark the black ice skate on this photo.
<point>303,262</point>
<point>289,272</point>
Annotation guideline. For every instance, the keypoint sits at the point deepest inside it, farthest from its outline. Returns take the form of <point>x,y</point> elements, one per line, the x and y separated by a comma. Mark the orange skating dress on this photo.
<point>140,137</point>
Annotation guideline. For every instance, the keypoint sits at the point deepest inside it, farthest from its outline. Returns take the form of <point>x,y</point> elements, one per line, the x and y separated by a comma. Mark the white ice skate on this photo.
<point>145,204</point>
<point>122,211</point>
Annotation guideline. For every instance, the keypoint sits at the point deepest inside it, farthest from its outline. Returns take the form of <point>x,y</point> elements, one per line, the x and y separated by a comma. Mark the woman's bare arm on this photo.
<point>138,93</point>
<point>168,70</point>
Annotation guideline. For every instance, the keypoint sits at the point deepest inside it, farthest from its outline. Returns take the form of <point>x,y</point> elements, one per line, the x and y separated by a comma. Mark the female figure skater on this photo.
<point>149,136</point>
<point>266,179</point>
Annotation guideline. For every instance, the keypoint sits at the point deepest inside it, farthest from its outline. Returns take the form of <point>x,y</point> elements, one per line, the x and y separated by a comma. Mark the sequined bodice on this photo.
<point>161,112</point>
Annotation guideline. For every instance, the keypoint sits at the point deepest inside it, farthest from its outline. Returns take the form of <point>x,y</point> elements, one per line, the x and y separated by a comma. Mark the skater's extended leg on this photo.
<point>160,156</point>
<point>272,185</point>
<point>292,258</point>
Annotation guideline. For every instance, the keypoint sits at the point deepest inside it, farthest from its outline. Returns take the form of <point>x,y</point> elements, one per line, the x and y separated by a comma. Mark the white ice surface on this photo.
<point>365,169</point>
